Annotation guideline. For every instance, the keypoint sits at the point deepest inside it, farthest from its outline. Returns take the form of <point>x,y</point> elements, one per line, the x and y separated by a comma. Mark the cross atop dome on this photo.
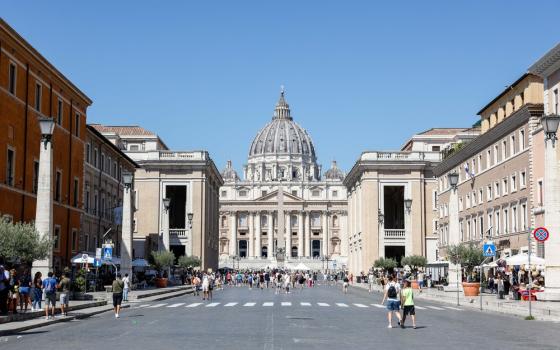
<point>282,110</point>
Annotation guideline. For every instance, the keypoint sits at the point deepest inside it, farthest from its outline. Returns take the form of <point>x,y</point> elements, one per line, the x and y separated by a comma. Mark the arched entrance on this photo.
<point>315,248</point>
<point>294,252</point>
<point>264,252</point>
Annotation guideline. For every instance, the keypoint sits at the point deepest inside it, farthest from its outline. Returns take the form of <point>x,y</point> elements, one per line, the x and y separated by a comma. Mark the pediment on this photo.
<point>273,197</point>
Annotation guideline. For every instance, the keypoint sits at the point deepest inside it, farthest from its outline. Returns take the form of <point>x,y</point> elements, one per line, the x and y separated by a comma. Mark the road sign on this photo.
<point>541,234</point>
<point>107,252</point>
<point>85,258</point>
<point>489,249</point>
<point>98,253</point>
<point>97,263</point>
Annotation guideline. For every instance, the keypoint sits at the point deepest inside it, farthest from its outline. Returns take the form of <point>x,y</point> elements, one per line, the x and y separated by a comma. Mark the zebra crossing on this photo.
<point>285,304</point>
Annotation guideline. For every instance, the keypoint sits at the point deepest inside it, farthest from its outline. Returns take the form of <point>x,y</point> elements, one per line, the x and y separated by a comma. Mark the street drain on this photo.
<point>298,318</point>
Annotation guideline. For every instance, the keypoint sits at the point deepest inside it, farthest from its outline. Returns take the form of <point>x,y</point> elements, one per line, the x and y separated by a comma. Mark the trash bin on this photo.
<point>358,279</point>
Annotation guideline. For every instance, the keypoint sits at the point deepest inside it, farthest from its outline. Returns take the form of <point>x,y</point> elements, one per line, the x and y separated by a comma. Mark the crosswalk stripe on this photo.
<point>322,304</point>
<point>194,305</point>
<point>176,305</point>
<point>157,305</point>
<point>139,306</point>
<point>249,304</point>
<point>379,306</point>
<point>305,304</point>
<point>360,305</point>
<point>341,304</point>
<point>286,303</point>
<point>212,304</point>
<point>230,304</point>
<point>435,308</point>
<point>419,307</point>
<point>268,304</point>
<point>453,308</point>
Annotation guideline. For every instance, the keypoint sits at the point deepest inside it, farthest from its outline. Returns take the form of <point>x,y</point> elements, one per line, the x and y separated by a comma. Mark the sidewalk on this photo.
<point>541,310</point>
<point>79,309</point>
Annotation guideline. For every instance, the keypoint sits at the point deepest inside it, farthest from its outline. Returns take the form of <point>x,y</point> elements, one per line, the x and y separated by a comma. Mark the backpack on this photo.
<point>392,292</point>
<point>49,286</point>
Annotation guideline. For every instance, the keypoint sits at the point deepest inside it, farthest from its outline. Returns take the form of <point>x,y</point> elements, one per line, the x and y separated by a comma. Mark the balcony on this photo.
<point>170,155</point>
<point>391,234</point>
<point>402,156</point>
<point>178,232</point>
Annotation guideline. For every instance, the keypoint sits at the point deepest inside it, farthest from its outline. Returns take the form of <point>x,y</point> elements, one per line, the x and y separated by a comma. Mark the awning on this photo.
<point>523,259</point>
<point>140,263</point>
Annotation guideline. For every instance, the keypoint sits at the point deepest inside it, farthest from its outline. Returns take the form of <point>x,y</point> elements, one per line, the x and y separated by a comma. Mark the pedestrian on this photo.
<point>371,281</point>
<point>4,290</point>
<point>500,287</point>
<point>345,284</point>
<point>37,292</point>
<point>287,283</point>
<point>24,290</point>
<point>118,287</point>
<point>407,300</point>
<point>420,280</point>
<point>196,283</point>
<point>64,287</point>
<point>14,291</point>
<point>126,281</point>
<point>205,286</point>
<point>49,288</point>
<point>391,295</point>
<point>211,282</point>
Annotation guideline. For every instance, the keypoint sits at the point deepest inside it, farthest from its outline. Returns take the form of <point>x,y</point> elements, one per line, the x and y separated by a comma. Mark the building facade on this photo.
<point>284,208</point>
<point>189,179</point>
<point>30,88</point>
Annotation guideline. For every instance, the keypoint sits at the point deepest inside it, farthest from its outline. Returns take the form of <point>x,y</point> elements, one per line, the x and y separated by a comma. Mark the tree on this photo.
<point>414,261</point>
<point>20,243</point>
<point>163,260</point>
<point>468,255</point>
<point>385,263</point>
<point>188,261</point>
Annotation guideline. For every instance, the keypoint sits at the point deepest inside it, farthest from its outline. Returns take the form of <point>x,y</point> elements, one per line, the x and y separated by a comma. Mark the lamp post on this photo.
<point>552,209</point>
<point>126,234</point>
<point>44,206</point>
<point>454,272</point>
<point>166,203</point>
<point>408,227</point>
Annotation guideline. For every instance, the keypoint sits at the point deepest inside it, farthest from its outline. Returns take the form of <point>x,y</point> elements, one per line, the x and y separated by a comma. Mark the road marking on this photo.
<point>322,304</point>
<point>286,303</point>
<point>176,305</point>
<point>157,305</point>
<point>419,307</point>
<point>194,305</point>
<point>212,304</point>
<point>268,303</point>
<point>249,304</point>
<point>305,304</point>
<point>453,308</point>
<point>379,306</point>
<point>139,306</point>
<point>230,304</point>
<point>341,304</point>
<point>435,308</point>
<point>360,305</point>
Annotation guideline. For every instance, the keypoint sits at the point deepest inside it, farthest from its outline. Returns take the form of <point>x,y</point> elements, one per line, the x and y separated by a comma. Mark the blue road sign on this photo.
<point>107,253</point>
<point>489,249</point>
<point>97,263</point>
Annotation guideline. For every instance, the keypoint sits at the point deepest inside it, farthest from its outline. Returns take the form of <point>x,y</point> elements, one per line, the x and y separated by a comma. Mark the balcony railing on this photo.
<point>395,234</point>
<point>402,156</point>
<point>178,232</point>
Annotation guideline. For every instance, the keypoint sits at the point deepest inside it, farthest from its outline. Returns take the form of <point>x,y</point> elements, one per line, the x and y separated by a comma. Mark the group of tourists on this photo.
<point>397,297</point>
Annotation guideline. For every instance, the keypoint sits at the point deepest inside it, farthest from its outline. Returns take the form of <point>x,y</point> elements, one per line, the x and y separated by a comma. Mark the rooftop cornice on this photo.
<point>547,63</point>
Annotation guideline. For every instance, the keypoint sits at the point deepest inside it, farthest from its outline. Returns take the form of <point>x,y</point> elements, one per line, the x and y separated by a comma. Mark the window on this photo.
<point>504,186</point>
<point>474,199</point>
<point>10,167</point>
<point>315,193</point>
<point>76,192</point>
<point>512,145</point>
<point>461,231</point>
<point>496,190</point>
<point>506,220</point>
<point>514,219</point>
<point>495,154</point>
<point>479,163</point>
<point>134,148</point>
<point>335,194</point>
<point>513,183</point>
<point>498,224</point>
<point>95,203</point>
<point>294,192</point>
<point>242,193</point>
<point>512,104</point>
<point>468,201</point>
<point>488,157</point>
<point>12,78</point>
<point>489,192</point>
<point>95,157</point>
<point>264,193</point>
<point>434,200</point>
<point>86,200</point>
<point>523,180</point>
<point>521,140</point>
<point>86,242</point>
<point>522,98</point>
<point>555,101</point>
<point>504,150</point>
<point>224,193</point>
<point>58,186</point>
<point>115,170</point>
<point>480,196</point>
<point>490,221</point>
<point>88,151</point>
<point>540,192</point>
<point>38,97</point>
<point>56,238</point>
<point>35,176</point>
<point>77,125</point>
<point>74,240</point>
<point>460,204</point>
<point>481,223</point>
<point>59,112</point>
<point>524,216</point>
<point>102,162</point>
<point>435,148</point>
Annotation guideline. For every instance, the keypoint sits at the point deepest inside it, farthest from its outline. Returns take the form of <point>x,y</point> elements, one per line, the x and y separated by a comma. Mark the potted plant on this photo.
<point>469,256</point>
<point>163,260</point>
<point>415,262</point>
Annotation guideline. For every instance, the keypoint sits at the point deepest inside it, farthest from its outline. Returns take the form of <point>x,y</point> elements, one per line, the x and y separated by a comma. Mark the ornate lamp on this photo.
<point>408,204</point>
<point>47,128</point>
<point>550,125</point>
<point>166,203</point>
<point>127,179</point>
<point>453,179</point>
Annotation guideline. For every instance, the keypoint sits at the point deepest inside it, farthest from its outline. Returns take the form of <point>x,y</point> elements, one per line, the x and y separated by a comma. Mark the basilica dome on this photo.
<point>282,136</point>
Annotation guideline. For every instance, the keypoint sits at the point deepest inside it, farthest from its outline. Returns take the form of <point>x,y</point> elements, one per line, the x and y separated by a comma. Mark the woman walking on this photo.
<point>24,291</point>
<point>37,292</point>
<point>407,300</point>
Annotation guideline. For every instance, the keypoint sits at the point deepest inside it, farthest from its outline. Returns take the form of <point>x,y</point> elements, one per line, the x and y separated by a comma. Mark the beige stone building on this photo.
<point>189,179</point>
<point>497,184</point>
<point>392,197</point>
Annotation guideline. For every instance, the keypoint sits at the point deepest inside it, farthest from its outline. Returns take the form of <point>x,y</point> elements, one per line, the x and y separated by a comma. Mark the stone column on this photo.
<point>44,210</point>
<point>301,245</point>
<point>325,229</point>
<point>289,235</point>
<point>307,235</point>
<point>270,234</point>
<point>552,223</point>
<point>258,230</point>
<point>454,274</point>
<point>408,232</point>
<point>251,235</point>
<point>233,234</point>
<point>126,246</point>
<point>165,229</point>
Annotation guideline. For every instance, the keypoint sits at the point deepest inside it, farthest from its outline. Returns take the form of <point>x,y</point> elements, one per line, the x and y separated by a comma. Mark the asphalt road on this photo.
<point>317,318</point>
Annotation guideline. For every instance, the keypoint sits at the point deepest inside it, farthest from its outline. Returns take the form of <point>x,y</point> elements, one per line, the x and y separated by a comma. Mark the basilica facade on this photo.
<point>284,210</point>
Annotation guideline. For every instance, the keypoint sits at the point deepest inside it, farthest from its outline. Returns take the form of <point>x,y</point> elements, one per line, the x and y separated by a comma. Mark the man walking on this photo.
<point>118,287</point>
<point>126,282</point>
<point>49,289</point>
<point>4,290</point>
<point>64,286</point>
<point>392,291</point>
<point>407,299</point>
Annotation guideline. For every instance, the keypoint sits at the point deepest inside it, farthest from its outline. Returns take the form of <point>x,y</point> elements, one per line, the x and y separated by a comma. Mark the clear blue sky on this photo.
<point>359,75</point>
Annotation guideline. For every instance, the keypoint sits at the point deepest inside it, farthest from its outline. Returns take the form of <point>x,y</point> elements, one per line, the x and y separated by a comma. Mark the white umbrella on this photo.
<point>523,259</point>
<point>492,264</point>
<point>140,263</point>
<point>78,259</point>
<point>301,267</point>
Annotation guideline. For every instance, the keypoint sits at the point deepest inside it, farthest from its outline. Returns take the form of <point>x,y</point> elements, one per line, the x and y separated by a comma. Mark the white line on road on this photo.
<point>139,306</point>
<point>176,305</point>
<point>212,304</point>
<point>286,303</point>
<point>453,308</point>
<point>435,308</point>
<point>194,305</point>
<point>379,306</point>
<point>157,305</point>
<point>268,303</point>
<point>419,307</point>
<point>305,304</point>
<point>230,304</point>
<point>341,304</point>
<point>249,304</point>
<point>360,305</point>
<point>322,304</point>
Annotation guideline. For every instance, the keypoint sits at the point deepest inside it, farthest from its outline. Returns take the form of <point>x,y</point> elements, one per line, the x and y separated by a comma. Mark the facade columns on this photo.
<point>307,235</point>
<point>454,274</point>
<point>300,233</point>
<point>257,249</point>
<point>233,234</point>
<point>407,232</point>
<point>288,235</point>
<point>325,244</point>
<point>270,234</point>
<point>126,247</point>
<point>251,235</point>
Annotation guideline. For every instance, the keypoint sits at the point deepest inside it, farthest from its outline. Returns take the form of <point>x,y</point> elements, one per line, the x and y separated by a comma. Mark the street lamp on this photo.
<point>408,204</point>
<point>47,128</point>
<point>190,217</point>
<point>408,227</point>
<point>166,203</point>
<point>126,234</point>
<point>127,179</point>
<point>453,179</point>
<point>380,216</point>
<point>550,125</point>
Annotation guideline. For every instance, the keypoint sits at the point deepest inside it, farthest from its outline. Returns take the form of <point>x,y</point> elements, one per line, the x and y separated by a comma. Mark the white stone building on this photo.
<point>282,179</point>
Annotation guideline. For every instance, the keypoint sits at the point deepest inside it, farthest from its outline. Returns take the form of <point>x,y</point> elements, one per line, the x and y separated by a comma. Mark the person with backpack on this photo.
<point>118,287</point>
<point>49,288</point>
<point>407,300</point>
<point>391,295</point>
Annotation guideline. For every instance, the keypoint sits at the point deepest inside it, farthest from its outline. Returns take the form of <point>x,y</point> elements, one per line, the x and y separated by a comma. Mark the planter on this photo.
<point>415,285</point>
<point>161,282</point>
<point>471,289</point>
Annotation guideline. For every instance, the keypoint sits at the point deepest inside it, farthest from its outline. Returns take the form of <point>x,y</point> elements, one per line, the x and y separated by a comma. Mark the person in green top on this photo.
<point>407,300</point>
<point>118,286</point>
<point>64,287</point>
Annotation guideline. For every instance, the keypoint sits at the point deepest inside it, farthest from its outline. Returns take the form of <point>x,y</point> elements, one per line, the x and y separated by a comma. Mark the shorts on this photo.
<point>393,305</point>
<point>345,285</point>
<point>409,310</point>
<point>117,299</point>
<point>421,284</point>
<point>64,299</point>
<point>205,288</point>
<point>50,299</point>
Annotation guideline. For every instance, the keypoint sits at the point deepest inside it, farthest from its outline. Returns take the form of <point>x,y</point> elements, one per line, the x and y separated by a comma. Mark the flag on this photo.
<point>470,174</point>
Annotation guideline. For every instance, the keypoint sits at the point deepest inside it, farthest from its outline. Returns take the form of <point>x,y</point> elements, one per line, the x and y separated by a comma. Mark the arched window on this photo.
<point>335,221</point>
<point>294,252</point>
<point>224,221</point>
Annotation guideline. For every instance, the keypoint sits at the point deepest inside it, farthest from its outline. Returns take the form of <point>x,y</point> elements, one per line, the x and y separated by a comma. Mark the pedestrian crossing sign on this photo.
<point>489,249</point>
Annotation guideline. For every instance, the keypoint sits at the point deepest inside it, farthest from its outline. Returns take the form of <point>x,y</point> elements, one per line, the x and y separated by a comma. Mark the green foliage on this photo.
<point>188,261</point>
<point>21,243</point>
<point>385,263</point>
<point>468,255</point>
<point>163,259</point>
<point>414,261</point>
<point>80,281</point>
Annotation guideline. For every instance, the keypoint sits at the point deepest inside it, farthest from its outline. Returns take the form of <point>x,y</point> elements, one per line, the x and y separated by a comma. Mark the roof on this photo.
<point>124,130</point>
<point>97,133</point>
<point>443,131</point>
<point>550,59</point>
<point>506,90</point>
